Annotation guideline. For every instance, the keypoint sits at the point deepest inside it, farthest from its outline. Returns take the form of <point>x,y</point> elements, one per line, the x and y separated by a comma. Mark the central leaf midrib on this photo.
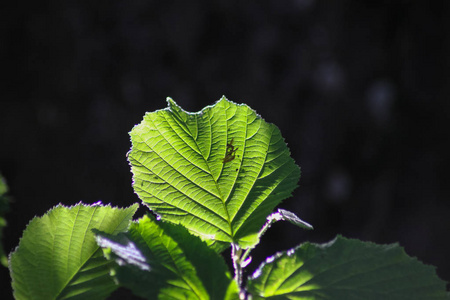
<point>192,199</point>
<point>176,169</point>
<point>225,201</point>
<point>188,131</point>
<point>220,197</point>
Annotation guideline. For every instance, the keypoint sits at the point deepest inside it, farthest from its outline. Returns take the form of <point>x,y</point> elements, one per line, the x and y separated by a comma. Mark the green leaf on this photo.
<point>58,257</point>
<point>4,208</point>
<point>219,172</point>
<point>158,260</point>
<point>345,269</point>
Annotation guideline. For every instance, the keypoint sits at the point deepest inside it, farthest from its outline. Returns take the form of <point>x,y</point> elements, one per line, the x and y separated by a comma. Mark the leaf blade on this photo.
<point>158,260</point>
<point>345,269</point>
<point>58,257</point>
<point>219,172</point>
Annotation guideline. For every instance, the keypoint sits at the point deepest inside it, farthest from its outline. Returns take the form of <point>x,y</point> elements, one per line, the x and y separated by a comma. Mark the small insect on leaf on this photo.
<point>230,152</point>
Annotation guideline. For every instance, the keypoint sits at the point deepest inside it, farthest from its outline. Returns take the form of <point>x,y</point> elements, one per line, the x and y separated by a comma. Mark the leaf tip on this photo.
<point>170,102</point>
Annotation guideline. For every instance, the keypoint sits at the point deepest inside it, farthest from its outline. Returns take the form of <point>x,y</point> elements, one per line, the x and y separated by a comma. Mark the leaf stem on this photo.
<point>270,220</point>
<point>236,252</point>
<point>238,264</point>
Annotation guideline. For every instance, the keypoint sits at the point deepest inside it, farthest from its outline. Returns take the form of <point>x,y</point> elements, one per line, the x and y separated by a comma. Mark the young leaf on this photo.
<point>289,216</point>
<point>159,260</point>
<point>345,269</point>
<point>58,257</point>
<point>218,172</point>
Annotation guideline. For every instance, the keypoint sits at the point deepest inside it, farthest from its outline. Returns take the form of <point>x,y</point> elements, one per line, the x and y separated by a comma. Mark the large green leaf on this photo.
<point>219,172</point>
<point>346,269</point>
<point>58,257</point>
<point>158,260</point>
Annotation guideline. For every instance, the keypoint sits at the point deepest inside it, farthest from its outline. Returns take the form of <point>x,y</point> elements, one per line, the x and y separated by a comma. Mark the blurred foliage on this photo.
<point>4,208</point>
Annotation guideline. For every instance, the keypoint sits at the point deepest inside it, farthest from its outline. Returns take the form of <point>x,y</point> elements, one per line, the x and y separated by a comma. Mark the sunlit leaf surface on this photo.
<point>219,172</point>
<point>58,257</point>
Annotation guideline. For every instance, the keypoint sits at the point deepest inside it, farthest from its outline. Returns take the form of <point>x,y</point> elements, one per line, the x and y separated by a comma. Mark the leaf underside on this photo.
<point>58,257</point>
<point>219,172</point>
<point>159,260</point>
<point>345,269</point>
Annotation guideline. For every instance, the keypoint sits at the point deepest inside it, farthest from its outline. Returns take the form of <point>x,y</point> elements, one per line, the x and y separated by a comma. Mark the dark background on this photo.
<point>360,92</point>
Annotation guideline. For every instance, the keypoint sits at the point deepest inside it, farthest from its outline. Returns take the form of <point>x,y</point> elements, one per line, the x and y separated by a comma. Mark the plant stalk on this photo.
<point>236,257</point>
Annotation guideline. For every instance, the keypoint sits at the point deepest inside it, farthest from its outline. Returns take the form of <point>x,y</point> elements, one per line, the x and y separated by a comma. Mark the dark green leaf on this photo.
<point>346,269</point>
<point>158,260</point>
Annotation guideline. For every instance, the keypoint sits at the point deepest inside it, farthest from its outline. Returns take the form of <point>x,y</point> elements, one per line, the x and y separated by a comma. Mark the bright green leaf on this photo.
<point>58,257</point>
<point>346,269</point>
<point>159,260</point>
<point>219,172</point>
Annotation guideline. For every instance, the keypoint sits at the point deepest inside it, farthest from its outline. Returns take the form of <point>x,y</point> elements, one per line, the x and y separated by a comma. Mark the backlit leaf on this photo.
<point>219,172</point>
<point>58,257</point>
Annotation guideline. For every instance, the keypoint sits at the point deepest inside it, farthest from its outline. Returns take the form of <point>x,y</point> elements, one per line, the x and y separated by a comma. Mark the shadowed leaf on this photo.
<point>158,260</point>
<point>345,269</point>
